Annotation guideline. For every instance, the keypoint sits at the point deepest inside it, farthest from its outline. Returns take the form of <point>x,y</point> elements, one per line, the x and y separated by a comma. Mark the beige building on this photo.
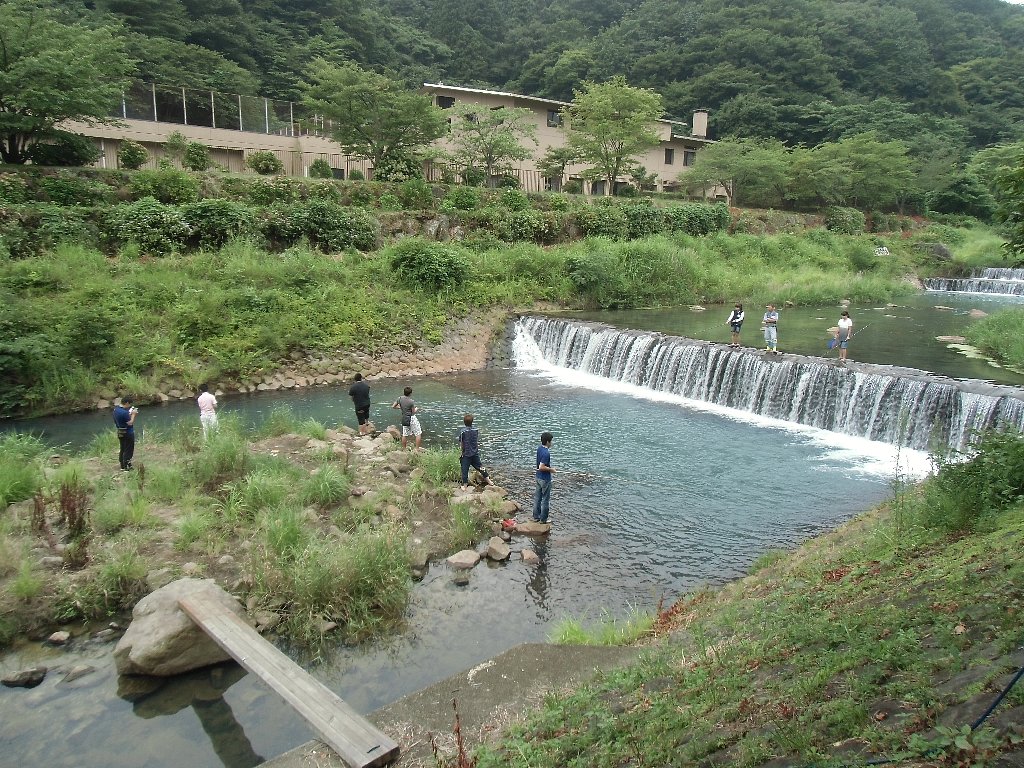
<point>256,124</point>
<point>676,150</point>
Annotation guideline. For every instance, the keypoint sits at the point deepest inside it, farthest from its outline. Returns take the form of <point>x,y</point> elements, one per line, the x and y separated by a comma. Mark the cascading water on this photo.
<point>995,280</point>
<point>897,406</point>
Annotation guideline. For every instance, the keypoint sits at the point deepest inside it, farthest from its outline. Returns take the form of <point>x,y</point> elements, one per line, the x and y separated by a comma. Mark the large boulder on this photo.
<point>162,640</point>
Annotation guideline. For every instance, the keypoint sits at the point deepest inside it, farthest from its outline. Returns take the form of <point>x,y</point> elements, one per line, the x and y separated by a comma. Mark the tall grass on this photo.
<point>327,487</point>
<point>225,456</point>
<point>465,527</point>
<point>1001,335</point>
<point>608,631</point>
<point>440,465</point>
<point>20,473</point>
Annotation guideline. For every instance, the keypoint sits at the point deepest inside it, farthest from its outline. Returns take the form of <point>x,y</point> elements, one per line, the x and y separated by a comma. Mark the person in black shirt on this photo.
<point>360,394</point>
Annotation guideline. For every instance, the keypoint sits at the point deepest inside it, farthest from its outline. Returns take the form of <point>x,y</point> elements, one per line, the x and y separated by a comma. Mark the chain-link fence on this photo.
<point>212,109</point>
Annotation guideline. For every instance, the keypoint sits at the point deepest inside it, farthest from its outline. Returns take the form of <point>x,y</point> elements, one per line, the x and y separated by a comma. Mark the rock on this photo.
<point>530,557</point>
<point>105,635</point>
<point>508,508</point>
<point>977,313</point>
<point>358,491</point>
<point>461,578</point>
<point>951,339</point>
<point>59,638</point>
<point>467,558</point>
<point>327,626</point>
<point>317,445</point>
<point>226,560</point>
<point>394,431</point>
<point>497,549</point>
<point>162,640</point>
<point>78,671</point>
<point>51,562</point>
<point>159,578</point>
<point>533,529</point>
<point>505,536</point>
<point>267,620</point>
<point>697,308</point>
<point>26,678</point>
<point>102,405</point>
<point>192,569</point>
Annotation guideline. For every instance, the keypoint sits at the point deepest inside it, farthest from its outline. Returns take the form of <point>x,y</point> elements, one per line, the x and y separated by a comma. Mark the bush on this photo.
<point>846,221</point>
<point>602,221</point>
<point>154,227</point>
<point>196,157</point>
<point>508,181</point>
<point>13,189</point>
<point>474,177</point>
<point>397,168</point>
<point>132,155</point>
<point>356,175</point>
<point>214,222</point>
<point>643,219</point>
<point>265,163</point>
<point>320,169</point>
<point>68,189</point>
<point>461,199</point>
<point>66,150</point>
<point>325,224</point>
<point>389,202</point>
<point>430,266</point>
<point>523,226</point>
<point>282,189</point>
<point>416,195</point>
<point>515,200</point>
<point>596,276</point>
<point>573,187</point>
<point>697,219</point>
<point>168,185</point>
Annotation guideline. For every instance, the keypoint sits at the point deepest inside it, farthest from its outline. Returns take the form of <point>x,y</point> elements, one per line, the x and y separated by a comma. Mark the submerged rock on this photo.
<point>26,678</point>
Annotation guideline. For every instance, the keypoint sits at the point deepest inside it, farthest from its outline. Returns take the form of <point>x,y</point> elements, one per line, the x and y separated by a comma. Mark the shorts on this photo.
<point>735,327</point>
<point>363,415</point>
<point>413,430</point>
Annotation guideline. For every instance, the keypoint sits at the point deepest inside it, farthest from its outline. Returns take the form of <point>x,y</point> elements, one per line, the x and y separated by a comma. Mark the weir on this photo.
<point>900,406</point>
<point>996,280</point>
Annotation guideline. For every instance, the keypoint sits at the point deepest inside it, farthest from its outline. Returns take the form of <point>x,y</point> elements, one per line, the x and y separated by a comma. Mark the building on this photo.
<point>675,152</point>
<point>234,126</point>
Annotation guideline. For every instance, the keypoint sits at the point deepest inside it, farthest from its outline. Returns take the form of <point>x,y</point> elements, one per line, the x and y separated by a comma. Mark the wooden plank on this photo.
<point>358,743</point>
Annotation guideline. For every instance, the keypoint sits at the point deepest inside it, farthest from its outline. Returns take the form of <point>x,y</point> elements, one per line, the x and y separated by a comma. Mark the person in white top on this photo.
<point>207,410</point>
<point>843,334</point>
<point>735,322</point>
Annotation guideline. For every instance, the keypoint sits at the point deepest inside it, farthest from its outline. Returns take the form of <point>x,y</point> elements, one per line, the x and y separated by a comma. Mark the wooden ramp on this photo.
<point>358,743</point>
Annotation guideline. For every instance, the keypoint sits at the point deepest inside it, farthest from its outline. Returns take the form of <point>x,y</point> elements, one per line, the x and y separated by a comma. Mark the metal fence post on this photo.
<point>155,118</point>
<point>266,113</point>
<point>124,107</point>
<point>291,118</point>
<point>240,113</point>
<point>184,106</point>
<point>213,111</point>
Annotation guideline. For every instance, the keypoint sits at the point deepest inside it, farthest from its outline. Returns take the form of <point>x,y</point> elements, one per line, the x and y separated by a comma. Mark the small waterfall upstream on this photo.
<point>995,280</point>
<point>897,406</point>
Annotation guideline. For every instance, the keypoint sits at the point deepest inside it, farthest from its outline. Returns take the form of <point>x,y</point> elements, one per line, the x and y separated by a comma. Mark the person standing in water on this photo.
<point>770,323</point>
<point>410,424</point>
<point>542,498</point>
<point>469,449</point>
<point>207,403</point>
<point>735,322</point>
<point>843,334</point>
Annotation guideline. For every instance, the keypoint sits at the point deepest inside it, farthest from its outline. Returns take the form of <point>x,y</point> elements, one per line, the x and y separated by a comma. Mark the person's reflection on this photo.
<point>538,584</point>
<point>203,690</point>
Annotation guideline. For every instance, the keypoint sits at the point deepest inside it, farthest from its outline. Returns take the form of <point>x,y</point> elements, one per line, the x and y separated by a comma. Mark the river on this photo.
<point>655,495</point>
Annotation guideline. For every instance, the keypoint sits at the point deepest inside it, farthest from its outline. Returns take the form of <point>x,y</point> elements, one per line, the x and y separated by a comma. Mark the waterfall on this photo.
<point>1001,280</point>
<point>898,406</point>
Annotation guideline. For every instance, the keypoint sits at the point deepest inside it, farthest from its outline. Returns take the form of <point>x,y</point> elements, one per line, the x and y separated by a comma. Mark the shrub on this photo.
<point>154,227</point>
<point>846,221</point>
<point>356,175</point>
<point>602,221</point>
<point>427,265</point>
<point>643,219</point>
<point>132,155</point>
<point>13,189</point>
<point>416,195</point>
<point>390,202</point>
<point>65,149</point>
<point>573,187</point>
<point>508,181</point>
<point>320,169</point>
<point>168,185</point>
<point>281,189</point>
<point>473,177</point>
<point>596,276</point>
<point>214,222</point>
<point>461,199</point>
<point>65,188</point>
<point>525,226</point>
<point>196,157</point>
<point>697,218</point>
<point>515,200</point>
<point>397,168</point>
<point>325,224</point>
<point>265,163</point>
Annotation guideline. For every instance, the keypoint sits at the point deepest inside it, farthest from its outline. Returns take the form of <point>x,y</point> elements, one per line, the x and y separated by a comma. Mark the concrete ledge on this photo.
<point>490,696</point>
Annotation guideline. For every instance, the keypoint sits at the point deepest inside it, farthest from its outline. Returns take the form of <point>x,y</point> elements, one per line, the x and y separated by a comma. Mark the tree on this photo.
<point>755,171</point>
<point>1010,183</point>
<point>372,116</point>
<point>610,123</point>
<point>489,140</point>
<point>555,161</point>
<point>53,69</point>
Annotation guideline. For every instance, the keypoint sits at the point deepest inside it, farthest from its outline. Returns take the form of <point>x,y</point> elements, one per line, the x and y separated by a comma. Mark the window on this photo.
<point>670,155</point>
<point>338,173</point>
<point>446,102</point>
<point>554,118</point>
<point>689,157</point>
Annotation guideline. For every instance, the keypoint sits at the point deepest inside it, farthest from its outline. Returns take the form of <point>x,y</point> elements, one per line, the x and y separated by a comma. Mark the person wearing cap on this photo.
<point>843,333</point>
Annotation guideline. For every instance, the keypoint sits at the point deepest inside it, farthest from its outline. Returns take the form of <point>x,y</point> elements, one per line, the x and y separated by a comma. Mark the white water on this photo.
<point>1001,281</point>
<point>917,412</point>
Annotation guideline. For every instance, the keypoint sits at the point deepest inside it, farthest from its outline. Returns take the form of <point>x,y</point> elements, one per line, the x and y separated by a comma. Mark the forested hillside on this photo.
<point>943,72</point>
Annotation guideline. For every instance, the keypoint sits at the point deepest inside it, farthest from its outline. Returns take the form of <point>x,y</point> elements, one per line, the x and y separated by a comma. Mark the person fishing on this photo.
<point>735,322</point>
<point>843,334</point>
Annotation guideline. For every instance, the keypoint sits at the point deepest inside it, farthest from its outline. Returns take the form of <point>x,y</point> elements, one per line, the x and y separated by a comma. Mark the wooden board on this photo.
<point>358,743</point>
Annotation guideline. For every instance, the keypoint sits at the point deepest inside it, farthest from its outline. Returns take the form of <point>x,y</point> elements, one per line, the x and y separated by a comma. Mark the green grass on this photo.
<point>1001,335</point>
<point>608,631</point>
<point>27,584</point>
<point>440,465</point>
<point>465,528</point>
<point>328,487</point>
<point>20,474</point>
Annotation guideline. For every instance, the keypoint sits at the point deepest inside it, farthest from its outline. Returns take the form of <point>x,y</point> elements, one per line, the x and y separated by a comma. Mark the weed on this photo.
<point>465,528</point>
<point>223,457</point>
<point>461,758</point>
<point>280,421</point>
<point>609,631</point>
<point>440,465</point>
<point>312,428</point>
<point>327,487</point>
<point>27,584</point>
<point>194,526</point>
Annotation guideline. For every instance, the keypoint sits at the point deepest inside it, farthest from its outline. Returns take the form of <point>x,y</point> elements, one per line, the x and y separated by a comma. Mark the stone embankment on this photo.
<point>465,346</point>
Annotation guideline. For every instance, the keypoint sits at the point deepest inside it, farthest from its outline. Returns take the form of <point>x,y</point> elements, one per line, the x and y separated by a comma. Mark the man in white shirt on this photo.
<point>207,409</point>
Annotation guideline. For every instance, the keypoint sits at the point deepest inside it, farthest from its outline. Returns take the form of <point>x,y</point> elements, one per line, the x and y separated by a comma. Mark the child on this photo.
<point>410,424</point>
<point>469,443</point>
<point>770,323</point>
<point>735,322</point>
